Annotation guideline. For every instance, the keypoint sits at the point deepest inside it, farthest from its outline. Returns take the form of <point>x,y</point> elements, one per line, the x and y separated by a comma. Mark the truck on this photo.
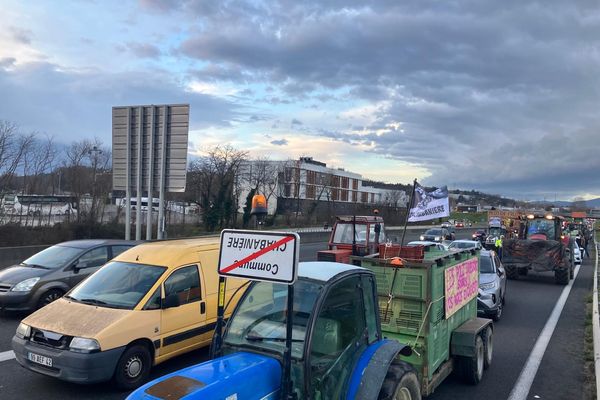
<point>495,231</point>
<point>540,248</point>
<point>353,235</point>
<point>344,341</point>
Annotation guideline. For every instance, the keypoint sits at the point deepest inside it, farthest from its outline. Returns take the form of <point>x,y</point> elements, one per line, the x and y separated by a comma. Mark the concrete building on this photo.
<point>307,180</point>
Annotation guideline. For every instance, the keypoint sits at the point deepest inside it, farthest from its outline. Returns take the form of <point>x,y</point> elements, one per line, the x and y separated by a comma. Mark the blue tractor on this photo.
<point>337,348</point>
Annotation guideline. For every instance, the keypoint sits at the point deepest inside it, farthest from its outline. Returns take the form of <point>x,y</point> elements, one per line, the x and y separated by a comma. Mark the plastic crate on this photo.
<point>407,252</point>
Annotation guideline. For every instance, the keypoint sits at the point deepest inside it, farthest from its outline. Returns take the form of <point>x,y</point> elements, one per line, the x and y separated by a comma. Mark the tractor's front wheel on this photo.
<point>400,383</point>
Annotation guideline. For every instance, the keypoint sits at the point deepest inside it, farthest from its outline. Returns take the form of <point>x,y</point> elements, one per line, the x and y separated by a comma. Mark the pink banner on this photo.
<point>461,285</point>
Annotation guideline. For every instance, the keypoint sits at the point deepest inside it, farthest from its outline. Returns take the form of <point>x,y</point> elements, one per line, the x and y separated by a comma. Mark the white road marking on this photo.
<point>7,355</point>
<point>523,385</point>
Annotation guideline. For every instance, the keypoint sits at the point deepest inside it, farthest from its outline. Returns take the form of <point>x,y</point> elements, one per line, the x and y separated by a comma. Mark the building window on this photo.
<point>372,197</point>
<point>310,191</point>
<point>354,197</point>
<point>335,194</point>
<point>287,190</point>
<point>335,182</point>
<point>311,177</point>
<point>364,197</point>
<point>344,195</point>
<point>355,184</point>
<point>345,182</point>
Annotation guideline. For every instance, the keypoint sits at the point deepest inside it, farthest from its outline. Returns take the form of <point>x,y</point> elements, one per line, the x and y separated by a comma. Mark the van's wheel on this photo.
<point>471,368</point>
<point>50,296</point>
<point>511,272</point>
<point>488,343</point>
<point>561,276</point>
<point>133,367</point>
<point>400,383</point>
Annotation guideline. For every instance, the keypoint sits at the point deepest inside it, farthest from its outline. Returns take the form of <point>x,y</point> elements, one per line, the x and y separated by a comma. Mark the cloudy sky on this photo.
<point>500,96</point>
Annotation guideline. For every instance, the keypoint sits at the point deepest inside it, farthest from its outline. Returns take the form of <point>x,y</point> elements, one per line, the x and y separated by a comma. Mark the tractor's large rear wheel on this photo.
<point>400,383</point>
<point>561,276</point>
<point>511,272</point>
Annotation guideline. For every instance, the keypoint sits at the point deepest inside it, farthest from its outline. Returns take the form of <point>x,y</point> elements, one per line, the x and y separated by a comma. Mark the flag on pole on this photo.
<point>429,205</point>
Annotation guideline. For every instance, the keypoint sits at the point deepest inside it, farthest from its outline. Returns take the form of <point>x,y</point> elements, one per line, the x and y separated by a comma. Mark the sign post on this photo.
<point>261,256</point>
<point>149,149</point>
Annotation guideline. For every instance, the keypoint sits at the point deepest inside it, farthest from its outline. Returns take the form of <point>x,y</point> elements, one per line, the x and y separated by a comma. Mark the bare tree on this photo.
<point>13,147</point>
<point>76,173</point>
<point>212,183</point>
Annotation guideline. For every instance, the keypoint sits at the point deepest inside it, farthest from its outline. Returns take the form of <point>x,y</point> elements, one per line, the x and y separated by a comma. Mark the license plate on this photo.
<point>38,359</point>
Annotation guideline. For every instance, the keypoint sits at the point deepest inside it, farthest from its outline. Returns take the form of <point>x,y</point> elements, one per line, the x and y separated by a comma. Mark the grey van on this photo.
<point>47,275</point>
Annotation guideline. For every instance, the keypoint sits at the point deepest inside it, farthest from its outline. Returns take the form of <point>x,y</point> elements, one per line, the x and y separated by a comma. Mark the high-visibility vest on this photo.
<point>498,243</point>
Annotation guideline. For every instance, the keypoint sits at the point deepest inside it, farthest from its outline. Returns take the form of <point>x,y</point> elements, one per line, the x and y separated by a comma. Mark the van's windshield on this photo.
<point>117,285</point>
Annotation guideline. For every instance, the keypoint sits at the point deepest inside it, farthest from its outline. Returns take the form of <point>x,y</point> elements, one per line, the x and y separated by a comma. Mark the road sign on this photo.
<point>149,153</point>
<point>259,255</point>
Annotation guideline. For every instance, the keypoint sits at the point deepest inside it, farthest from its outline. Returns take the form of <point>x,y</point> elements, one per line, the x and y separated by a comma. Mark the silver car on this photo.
<point>492,285</point>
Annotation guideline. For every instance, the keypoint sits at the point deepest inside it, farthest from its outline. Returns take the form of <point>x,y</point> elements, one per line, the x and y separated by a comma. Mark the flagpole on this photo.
<point>410,204</point>
<point>390,295</point>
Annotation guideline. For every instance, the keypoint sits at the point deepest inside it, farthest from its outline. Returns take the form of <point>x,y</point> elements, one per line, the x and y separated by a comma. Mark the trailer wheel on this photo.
<point>488,343</point>
<point>561,276</point>
<point>400,383</point>
<point>511,272</point>
<point>471,368</point>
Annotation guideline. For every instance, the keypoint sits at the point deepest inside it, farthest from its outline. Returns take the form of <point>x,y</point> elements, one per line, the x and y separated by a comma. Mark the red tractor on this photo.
<point>353,235</point>
<point>541,247</point>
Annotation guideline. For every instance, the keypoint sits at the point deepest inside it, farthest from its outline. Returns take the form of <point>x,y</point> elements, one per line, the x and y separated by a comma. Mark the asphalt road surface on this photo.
<point>529,304</point>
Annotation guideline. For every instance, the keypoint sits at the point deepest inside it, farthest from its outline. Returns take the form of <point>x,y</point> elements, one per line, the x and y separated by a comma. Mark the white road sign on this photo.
<point>259,255</point>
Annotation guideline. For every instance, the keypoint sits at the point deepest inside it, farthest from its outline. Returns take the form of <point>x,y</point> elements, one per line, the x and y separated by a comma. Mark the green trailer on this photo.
<point>430,304</point>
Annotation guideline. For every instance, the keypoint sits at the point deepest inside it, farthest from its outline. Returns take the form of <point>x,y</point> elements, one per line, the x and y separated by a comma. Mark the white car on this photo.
<point>435,245</point>
<point>576,254</point>
<point>465,244</point>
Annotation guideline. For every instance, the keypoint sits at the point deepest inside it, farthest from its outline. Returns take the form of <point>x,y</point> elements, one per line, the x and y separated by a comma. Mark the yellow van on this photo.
<point>151,303</point>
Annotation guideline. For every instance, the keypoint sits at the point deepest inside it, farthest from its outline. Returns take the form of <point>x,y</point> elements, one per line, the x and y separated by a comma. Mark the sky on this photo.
<point>498,96</point>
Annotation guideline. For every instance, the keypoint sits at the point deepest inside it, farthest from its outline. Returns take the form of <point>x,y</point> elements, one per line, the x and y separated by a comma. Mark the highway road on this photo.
<point>529,304</point>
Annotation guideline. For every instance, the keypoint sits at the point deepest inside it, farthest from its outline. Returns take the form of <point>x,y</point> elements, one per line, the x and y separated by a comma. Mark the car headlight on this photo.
<point>436,238</point>
<point>26,285</point>
<point>23,331</point>
<point>487,286</point>
<point>421,237</point>
<point>84,345</point>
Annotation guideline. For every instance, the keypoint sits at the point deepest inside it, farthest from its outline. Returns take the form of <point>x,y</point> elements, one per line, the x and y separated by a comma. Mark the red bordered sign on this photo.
<point>259,255</point>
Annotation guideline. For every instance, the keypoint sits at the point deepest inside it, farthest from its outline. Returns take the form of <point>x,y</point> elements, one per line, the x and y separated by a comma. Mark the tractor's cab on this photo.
<point>543,227</point>
<point>354,235</point>
<point>334,321</point>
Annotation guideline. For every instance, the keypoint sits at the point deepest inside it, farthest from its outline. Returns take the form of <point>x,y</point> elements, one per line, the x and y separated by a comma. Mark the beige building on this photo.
<point>306,179</point>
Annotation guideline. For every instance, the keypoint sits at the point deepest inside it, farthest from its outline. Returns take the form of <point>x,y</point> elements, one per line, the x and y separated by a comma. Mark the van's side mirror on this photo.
<point>171,301</point>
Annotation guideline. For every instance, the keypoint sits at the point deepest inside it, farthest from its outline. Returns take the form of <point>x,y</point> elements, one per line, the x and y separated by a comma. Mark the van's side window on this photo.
<point>185,283</point>
<point>154,301</point>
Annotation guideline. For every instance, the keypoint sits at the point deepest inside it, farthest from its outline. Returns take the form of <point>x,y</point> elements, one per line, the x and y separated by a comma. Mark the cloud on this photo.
<point>281,142</point>
<point>144,50</point>
<point>296,122</point>
<point>477,88</point>
<point>71,103</point>
<point>20,35</point>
